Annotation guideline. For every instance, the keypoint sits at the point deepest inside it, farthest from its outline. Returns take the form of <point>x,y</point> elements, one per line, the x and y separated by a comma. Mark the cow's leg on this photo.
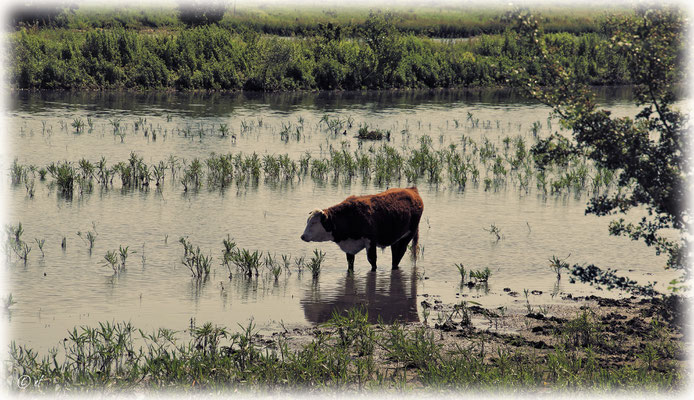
<point>350,261</point>
<point>371,256</point>
<point>398,249</point>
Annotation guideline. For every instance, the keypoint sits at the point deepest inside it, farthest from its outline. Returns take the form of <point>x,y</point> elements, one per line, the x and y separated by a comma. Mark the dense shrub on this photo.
<point>210,57</point>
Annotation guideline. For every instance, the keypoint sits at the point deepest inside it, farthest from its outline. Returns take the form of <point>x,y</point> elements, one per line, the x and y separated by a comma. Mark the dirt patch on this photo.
<point>631,331</point>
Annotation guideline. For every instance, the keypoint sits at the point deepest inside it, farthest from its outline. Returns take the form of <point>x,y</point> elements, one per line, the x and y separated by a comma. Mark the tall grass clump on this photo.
<point>194,260</point>
<point>65,176</point>
<point>315,263</point>
<point>247,262</point>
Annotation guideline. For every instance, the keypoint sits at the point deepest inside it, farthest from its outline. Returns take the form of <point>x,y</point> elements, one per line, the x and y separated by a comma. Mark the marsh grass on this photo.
<point>65,176</point>
<point>111,259</point>
<point>315,263</point>
<point>495,231</point>
<point>15,243</point>
<point>557,265</point>
<point>462,271</point>
<point>547,162</point>
<point>89,238</point>
<point>364,133</point>
<point>346,352</point>
<point>480,276</point>
<point>195,260</point>
<point>227,254</point>
<point>247,262</point>
<point>40,243</point>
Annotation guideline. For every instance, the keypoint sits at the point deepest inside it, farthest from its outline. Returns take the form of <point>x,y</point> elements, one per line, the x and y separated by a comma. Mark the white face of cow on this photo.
<point>315,232</point>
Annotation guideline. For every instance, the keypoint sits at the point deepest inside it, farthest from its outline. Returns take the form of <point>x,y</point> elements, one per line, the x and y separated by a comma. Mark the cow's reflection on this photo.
<point>386,297</point>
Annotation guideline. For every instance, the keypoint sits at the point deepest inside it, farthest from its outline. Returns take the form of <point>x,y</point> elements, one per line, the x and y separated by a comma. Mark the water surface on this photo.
<point>66,287</point>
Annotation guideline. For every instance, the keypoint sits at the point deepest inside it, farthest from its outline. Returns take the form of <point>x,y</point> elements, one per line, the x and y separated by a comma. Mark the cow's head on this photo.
<point>317,227</point>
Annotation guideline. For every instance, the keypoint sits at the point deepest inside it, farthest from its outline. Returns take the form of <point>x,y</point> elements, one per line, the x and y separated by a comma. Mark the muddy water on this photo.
<point>62,288</point>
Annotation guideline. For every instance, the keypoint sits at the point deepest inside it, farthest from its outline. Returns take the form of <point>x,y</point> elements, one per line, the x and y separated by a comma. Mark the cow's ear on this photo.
<point>326,222</point>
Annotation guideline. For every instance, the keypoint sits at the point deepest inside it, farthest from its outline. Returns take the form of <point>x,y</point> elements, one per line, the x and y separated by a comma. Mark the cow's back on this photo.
<point>395,213</point>
<point>384,217</point>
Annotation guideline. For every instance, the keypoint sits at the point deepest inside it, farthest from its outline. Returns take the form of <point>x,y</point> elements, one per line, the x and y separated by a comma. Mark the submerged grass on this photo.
<point>513,160</point>
<point>345,353</point>
<point>384,165</point>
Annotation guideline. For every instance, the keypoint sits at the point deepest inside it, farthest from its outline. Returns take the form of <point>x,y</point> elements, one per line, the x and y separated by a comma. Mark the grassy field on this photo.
<point>445,20</point>
<point>344,49</point>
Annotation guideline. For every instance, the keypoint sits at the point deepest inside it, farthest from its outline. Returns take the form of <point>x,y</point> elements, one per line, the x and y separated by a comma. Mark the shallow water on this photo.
<point>63,288</point>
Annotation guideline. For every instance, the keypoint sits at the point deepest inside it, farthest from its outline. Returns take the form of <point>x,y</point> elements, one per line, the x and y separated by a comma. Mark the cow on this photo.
<point>390,218</point>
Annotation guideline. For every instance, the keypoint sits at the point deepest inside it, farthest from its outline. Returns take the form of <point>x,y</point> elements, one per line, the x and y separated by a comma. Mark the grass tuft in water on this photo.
<point>194,260</point>
<point>315,263</point>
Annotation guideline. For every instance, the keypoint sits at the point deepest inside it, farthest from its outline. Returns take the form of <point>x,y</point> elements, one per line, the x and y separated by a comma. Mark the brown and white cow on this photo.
<point>385,219</point>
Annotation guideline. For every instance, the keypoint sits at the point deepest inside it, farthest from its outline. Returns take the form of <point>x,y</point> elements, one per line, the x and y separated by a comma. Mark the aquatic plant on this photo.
<point>192,174</point>
<point>115,124</point>
<point>40,243</point>
<point>246,261</point>
<point>272,265</point>
<point>315,263</point>
<point>111,259</point>
<point>65,176</point>
<point>228,253</point>
<point>365,134</point>
<point>18,172</point>
<point>461,270</point>
<point>123,255</point>
<point>194,260</point>
<point>300,263</point>
<point>78,124</point>
<point>480,276</point>
<point>557,265</point>
<point>16,243</point>
<point>495,231</point>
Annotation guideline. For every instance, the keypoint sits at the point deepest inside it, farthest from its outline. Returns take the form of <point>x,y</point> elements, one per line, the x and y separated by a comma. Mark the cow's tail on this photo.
<point>415,245</point>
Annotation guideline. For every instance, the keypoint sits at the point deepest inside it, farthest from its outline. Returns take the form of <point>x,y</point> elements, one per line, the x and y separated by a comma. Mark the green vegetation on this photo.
<point>647,152</point>
<point>315,263</point>
<point>15,242</point>
<point>347,353</point>
<point>557,265</point>
<point>379,53</point>
<point>198,263</point>
<point>502,163</point>
<point>445,21</point>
